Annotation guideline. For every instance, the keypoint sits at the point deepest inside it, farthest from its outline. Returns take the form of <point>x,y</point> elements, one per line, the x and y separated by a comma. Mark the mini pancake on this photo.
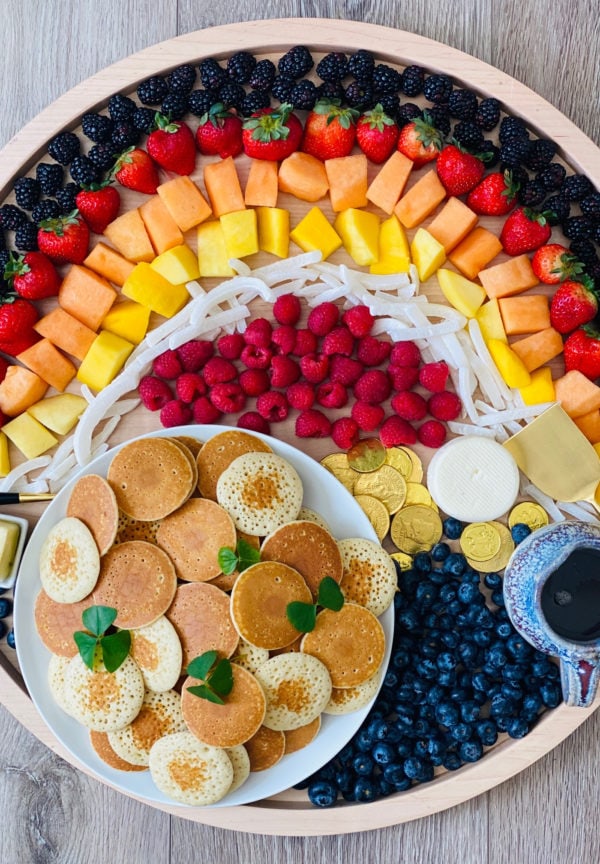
<point>297,739</point>
<point>157,651</point>
<point>232,723</point>
<point>265,748</point>
<point>218,453</point>
<point>200,615</point>
<point>288,649</point>
<point>297,687</point>
<point>101,744</point>
<point>150,477</point>
<point>189,771</point>
<point>159,715</point>
<point>351,643</point>
<point>103,700</point>
<point>309,515</point>
<point>369,574</point>
<point>348,699</point>
<point>57,668</point>
<point>93,501</point>
<point>249,656</point>
<point>139,580</point>
<point>193,444</point>
<point>56,623</point>
<point>241,765</point>
<point>191,457</point>
<point>259,602</point>
<point>134,529</point>
<point>308,548</point>
<point>261,491</point>
<point>69,561</point>
<point>192,537</point>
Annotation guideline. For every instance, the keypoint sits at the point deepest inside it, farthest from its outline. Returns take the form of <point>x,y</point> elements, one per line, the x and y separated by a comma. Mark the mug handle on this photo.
<point>579,681</point>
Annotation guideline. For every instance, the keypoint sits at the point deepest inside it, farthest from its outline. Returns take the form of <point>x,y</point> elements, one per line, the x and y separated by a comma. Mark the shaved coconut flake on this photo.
<point>123,406</point>
<point>487,383</point>
<point>464,391</point>
<point>329,296</point>
<point>124,383</point>
<point>75,470</point>
<point>545,500</point>
<point>386,282</point>
<point>194,289</point>
<point>469,429</point>
<point>6,484</point>
<point>62,452</point>
<point>33,487</point>
<point>280,270</point>
<point>287,287</point>
<point>218,320</point>
<point>239,266</point>
<point>414,277</point>
<point>428,332</point>
<point>511,414</point>
<point>485,356</point>
<point>577,511</point>
<point>60,468</point>
<point>500,433</point>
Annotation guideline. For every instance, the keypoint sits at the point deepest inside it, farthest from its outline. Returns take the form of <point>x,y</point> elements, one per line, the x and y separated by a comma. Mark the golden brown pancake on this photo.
<point>93,501</point>
<point>219,452</point>
<point>296,739</point>
<point>191,457</point>
<point>200,615</point>
<point>308,548</point>
<point>193,444</point>
<point>56,623</point>
<point>103,748</point>
<point>265,748</point>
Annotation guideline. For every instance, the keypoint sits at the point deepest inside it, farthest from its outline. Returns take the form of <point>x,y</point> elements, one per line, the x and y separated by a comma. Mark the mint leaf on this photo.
<point>86,645</point>
<point>247,555</point>
<point>302,616</point>
<point>204,692</point>
<point>115,649</point>
<point>97,619</point>
<point>220,679</point>
<point>330,594</point>
<point>200,666</point>
<point>227,559</point>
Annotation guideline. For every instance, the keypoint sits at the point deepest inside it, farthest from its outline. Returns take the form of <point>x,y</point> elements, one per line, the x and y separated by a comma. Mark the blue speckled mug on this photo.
<point>552,595</point>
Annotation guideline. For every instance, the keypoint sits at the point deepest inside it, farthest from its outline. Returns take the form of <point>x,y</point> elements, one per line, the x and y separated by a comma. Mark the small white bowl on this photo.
<point>23,529</point>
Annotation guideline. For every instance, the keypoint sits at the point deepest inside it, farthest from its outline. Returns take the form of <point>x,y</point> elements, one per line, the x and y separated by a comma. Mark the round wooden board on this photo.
<point>290,813</point>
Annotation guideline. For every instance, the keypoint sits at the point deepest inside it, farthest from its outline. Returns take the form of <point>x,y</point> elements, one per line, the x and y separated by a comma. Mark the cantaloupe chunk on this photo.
<point>576,393</point>
<point>475,252</point>
<point>213,259</point>
<point>184,201</point>
<point>49,363</point>
<point>490,321</point>
<point>427,254</point>
<point>108,263</point>
<point>178,265</point>
<point>359,231</point>
<point>223,187</point>
<point>5,465</point>
<point>59,413</point>
<point>128,319</point>
<point>160,225</point>
<point>149,288</point>
<point>347,177</point>
<point>510,366</point>
<point>19,389</point>
<point>388,184</point>
<point>509,277</point>
<point>420,200</point>
<point>452,224</point>
<point>262,185</point>
<point>86,296</point>
<point>394,250</point>
<point>66,332</point>
<point>315,232</point>
<point>539,348</point>
<point>29,436</point>
<point>527,314</point>
<point>241,233</point>
<point>303,176</point>
<point>464,295</point>
<point>273,230</point>
<point>128,234</point>
<point>540,389</point>
<point>104,360</point>
<point>589,424</point>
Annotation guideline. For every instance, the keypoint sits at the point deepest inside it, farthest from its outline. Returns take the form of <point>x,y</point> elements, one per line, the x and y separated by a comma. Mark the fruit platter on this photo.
<point>368,254</point>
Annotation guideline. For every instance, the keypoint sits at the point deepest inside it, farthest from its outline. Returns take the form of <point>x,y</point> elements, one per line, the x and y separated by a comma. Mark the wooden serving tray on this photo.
<point>290,813</point>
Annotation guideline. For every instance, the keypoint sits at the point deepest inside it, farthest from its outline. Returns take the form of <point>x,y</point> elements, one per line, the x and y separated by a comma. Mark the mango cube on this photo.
<point>59,413</point>
<point>540,389</point>
<point>104,360</point>
<point>394,250</point>
<point>490,321</point>
<point>315,232</point>
<point>427,253</point>
<point>177,265</point>
<point>128,319</point>
<point>460,292</point>
<point>29,436</point>
<point>273,230</point>
<point>4,455</point>
<point>213,259</point>
<point>240,232</point>
<point>359,231</point>
<point>149,288</point>
<point>509,364</point>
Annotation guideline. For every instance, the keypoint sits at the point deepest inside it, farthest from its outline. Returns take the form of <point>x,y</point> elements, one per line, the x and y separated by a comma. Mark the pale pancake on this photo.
<point>159,715</point>
<point>103,700</point>
<point>156,649</point>
<point>219,452</point>
<point>101,744</point>
<point>189,771</point>
<point>261,491</point>
<point>351,643</point>
<point>192,537</point>
<point>134,529</point>
<point>57,668</point>
<point>232,723</point>
<point>200,615</point>
<point>138,580</point>
<point>308,548</point>
<point>297,687</point>
<point>309,515</point>
<point>241,765</point>
<point>348,699</point>
<point>69,561</point>
<point>265,748</point>
<point>297,739</point>
<point>249,656</point>
<point>151,477</point>
<point>369,574</point>
<point>259,602</point>
<point>93,501</point>
<point>56,623</point>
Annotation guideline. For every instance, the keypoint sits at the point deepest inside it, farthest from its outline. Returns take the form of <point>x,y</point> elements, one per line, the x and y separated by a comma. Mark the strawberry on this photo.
<point>582,352</point>
<point>32,275</point>
<point>553,263</point>
<point>330,130</point>
<point>376,134</point>
<point>272,134</point>
<point>99,205</point>
<point>17,317</point>
<point>135,170</point>
<point>495,195</point>
<point>458,170</point>
<point>219,132</point>
<point>65,239</point>
<point>420,140</point>
<point>14,347</point>
<point>171,144</point>
<point>573,304</point>
<point>524,230</point>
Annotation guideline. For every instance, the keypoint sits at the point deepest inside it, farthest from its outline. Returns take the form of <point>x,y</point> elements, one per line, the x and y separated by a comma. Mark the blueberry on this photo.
<point>470,575</point>
<point>420,750</point>
<point>426,594</point>
<point>504,629</point>
<point>379,730</point>
<point>487,732</point>
<point>468,592</point>
<point>363,764</point>
<point>532,704</point>
<point>426,712</point>
<point>450,638</point>
<point>513,672</point>
<point>447,714</point>
<point>422,562</point>
<point>383,787</point>
<point>10,639</point>
<point>470,751</point>
<point>436,747</point>
<point>403,750</point>
<point>394,774</point>
<point>550,693</point>
<point>500,705</point>
<point>5,607</point>
<point>483,638</point>
<point>512,691</point>
<point>492,580</point>
<point>413,767</point>
<point>346,753</point>
<point>446,661</point>
<point>452,761</point>
<point>452,528</point>
<point>447,679</point>
<point>519,532</point>
<point>469,711</point>
<point>498,597</point>
<point>518,647</point>
<point>400,659</point>
<point>447,593</point>
<point>455,563</point>
<point>408,618</point>
<point>428,669</point>
<point>446,620</point>
<point>440,551</point>
<point>517,727</point>
<point>365,789</point>
<point>467,652</point>
<point>435,694</point>
<point>322,794</point>
<point>363,741</point>
<point>461,732</point>
<point>344,779</point>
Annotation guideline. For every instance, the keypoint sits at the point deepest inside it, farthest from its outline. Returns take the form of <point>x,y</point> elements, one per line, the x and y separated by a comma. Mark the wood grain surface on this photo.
<point>53,813</point>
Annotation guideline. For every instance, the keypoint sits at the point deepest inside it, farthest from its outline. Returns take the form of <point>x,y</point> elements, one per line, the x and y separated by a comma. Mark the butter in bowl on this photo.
<point>13,534</point>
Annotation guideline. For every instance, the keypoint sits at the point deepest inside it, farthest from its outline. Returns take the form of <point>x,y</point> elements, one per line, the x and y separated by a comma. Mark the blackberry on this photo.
<point>174,106</point>
<point>333,67</point>
<point>552,176</point>
<point>462,104</point>
<point>412,80</point>
<point>232,95</point>
<point>83,171</point>
<point>386,79</point>
<point>142,119</point>
<point>330,90</point>
<point>282,87</point>
<point>513,152</point>
<point>263,75</point>
<point>532,193</point>
<point>97,127</point>
<point>359,95</point>
<point>124,135</point>
<point>27,192</point>
<point>153,90</point>
<point>469,135</point>
<point>541,153</point>
<point>4,260</point>
<point>361,64</point>
<point>11,217</point>
<point>390,104</point>
<point>254,101</point>
<point>576,187</point>
<point>559,207</point>
<point>64,147</point>
<point>487,115</point>
<point>26,237</point>
<point>578,228</point>
<point>120,107</point>
<point>491,153</point>
<point>46,209</point>
<point>437,89</point>
<point>296,63</point>
<point>2,242</point>
<point>181,80</point>
<point>407,113</point>
<point>212,74</point>
<point>590,206</point>
<point>102,155</point>
<point>512,127</point>
<point>201,101</point>
<point>50,177</point>
<point>584,250</point>
<point>593,270</point>
<point>304,95</point>
<point>66,197</point>
<point>240,66</point>
<point>440,118</point>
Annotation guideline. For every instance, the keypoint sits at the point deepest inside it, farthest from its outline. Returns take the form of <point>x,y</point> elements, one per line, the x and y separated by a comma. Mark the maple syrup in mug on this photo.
<point>570,598</point>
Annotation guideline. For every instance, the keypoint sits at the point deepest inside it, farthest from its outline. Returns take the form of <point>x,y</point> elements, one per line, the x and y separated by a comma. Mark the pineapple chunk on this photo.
<point>213,259</point>
<point>490,321</point>
<point>273,230</point>
<point>59,413</point>
<point>427,253</point>
<point>394,251</point>
<point>315,232</point>
<point>240,232</point>
<point>177,265</point>
<point>29,436</point>
<point>128,319</point>
<point>149,288</point>
<point>359,231</point>
<point>541,388</point>
<point>464,295</point>
<point>510,365</point>
<point>4,455</point>
<point>104,360</point>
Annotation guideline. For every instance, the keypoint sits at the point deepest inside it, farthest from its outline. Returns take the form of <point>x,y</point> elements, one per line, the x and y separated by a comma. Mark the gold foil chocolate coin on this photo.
<point>376,512</point>
<point>416,529</point>
<point>500,559</point>
<point>416,475</point>
<point>404,561</point>
<point>416,493</point>
<point>528,513</point>
<point>367,455</point>
<point>400,460</point>
<point>386,484</point>
<point>480,541</point>
<point>337,464</point>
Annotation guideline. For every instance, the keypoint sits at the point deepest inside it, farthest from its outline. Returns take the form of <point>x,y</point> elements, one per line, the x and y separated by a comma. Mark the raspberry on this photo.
<point>284,371</point>
<point>306,343</point>
<point>204,411</point>
<point>189,386</point>
<point>167,364</point>
<point>405,354</point>
<point>154,392</point>
<point>409,405</point>
<point>332,394</point>
<point>284,339</point>
<point>194,354</point>
<point>254,422</point>
<point>373,387</point>
<point>372,351</point>
<point>395,431</point>
<point>358,320</point>
<point>433,376</point>
<point>345,432</point>
<point>323,318</point>
<point>301,395</point>
<point>258,332</point>
<point>218,370</point>
<point>403,377</point>
<point>432,433</point>
<point>175,413</point>
<point>228,397</point>
<point>287,309</point>
<point>254,381</point>
<point>314,367</point>
<point>345,370</point>
<point>230,346</point>
<point>444,406</point>
<point>256,357</point>
<point>272,406</point>
<point>338,341</point>
<point>368,417</point>
<point>312,424</point>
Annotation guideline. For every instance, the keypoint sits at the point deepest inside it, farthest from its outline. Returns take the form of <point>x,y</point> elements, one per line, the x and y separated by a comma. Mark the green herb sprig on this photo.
<point>216,676</point>
<point>303,616</point>
<point>114,647</point>
<point>243,556</point>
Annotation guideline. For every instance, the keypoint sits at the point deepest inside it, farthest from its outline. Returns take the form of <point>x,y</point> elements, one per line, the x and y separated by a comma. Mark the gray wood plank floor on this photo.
<point>51,813</point>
